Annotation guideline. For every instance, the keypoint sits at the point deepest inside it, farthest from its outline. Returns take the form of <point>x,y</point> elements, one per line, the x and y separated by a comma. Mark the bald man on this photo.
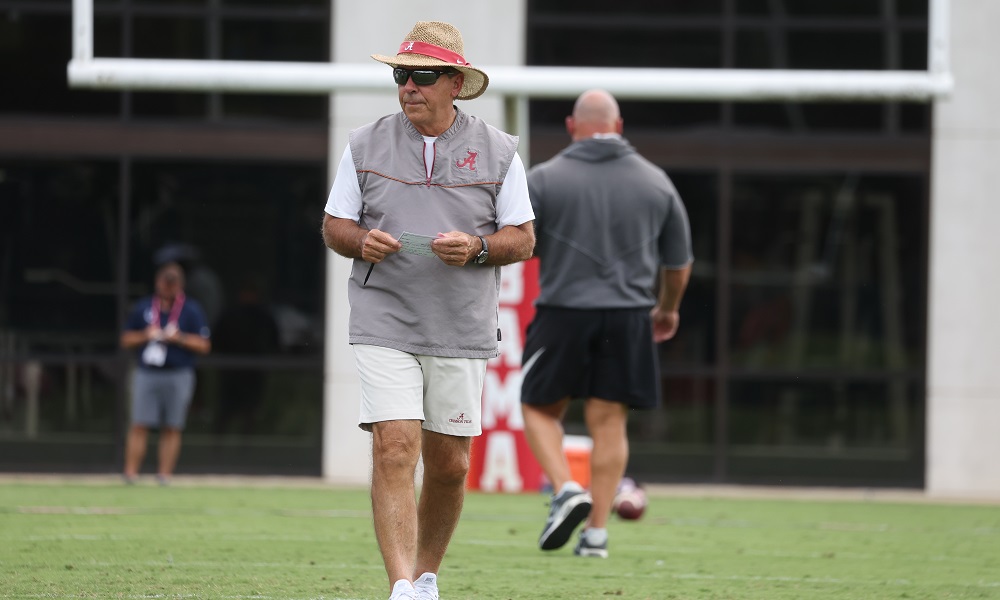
<point>615,256</point>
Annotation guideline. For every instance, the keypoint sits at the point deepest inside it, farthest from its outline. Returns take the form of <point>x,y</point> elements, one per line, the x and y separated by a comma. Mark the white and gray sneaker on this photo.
<point>568,509</point>
<point>426,587</point>
<point>592,545</point>
<point>403,590</point>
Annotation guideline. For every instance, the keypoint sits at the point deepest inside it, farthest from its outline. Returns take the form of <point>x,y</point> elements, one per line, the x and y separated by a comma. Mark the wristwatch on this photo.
<point>484,253</point>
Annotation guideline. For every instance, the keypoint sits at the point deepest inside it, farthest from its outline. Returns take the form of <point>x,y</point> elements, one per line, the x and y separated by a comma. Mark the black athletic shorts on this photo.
<point>584,353</point>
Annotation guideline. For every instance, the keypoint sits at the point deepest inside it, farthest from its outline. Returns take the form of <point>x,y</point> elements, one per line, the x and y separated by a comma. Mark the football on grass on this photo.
<point>630,504</point>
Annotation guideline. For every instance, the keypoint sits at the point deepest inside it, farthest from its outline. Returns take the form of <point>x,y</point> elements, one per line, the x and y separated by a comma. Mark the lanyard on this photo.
<point>175,310</point>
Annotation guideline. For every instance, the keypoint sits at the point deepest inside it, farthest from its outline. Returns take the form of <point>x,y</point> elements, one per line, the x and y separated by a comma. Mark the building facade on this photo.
<point>804,355</point>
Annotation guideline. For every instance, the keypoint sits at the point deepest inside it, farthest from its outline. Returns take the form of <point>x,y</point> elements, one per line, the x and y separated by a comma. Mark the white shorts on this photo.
<point>445,393</point>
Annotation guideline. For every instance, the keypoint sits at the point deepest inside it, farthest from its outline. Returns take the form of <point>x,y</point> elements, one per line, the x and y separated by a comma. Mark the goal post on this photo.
<point>87,71</point>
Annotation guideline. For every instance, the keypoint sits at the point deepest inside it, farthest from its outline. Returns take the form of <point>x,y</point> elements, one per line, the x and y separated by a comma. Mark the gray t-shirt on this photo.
<point>606,220</point>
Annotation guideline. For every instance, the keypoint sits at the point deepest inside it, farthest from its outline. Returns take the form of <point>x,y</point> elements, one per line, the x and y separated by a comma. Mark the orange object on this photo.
<point>578,456</point>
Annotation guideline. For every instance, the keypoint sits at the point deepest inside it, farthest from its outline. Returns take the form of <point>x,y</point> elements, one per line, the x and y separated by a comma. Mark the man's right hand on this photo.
<point>665,324</point>
<point>377,244</point>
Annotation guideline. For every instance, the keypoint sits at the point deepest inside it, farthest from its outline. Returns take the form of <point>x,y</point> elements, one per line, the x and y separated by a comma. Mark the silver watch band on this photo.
<point>485,252</point>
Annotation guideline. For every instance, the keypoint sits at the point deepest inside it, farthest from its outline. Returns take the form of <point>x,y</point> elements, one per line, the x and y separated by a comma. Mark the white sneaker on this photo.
<point>588,546</point>
<point>403,590</point>
<point>426,587</point>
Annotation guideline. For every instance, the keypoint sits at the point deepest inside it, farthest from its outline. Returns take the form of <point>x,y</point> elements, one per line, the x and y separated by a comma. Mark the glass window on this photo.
<point>820,268</point>
<point>59,416</point>
<point>808,432</point>
<point>636,7</point>
<point>678,116</point>
<point>825,273</point>
<point>756,49</point>
<point>802,117</point>
<point>676,440</point>
<point>59,246</point>
<point>182,105</point>
<point>291,5</point>
<point>161,3</point>
<point>912,8</point>
<point>234,225</point>
<point>549,116</point>
<point>161,37</point>
<point>695,339</point>
<point>764,116</point>
<point>261,418</point>
<point>785,48</point>
<point>809,8</point>
<point>274,40</point>
<point>753,7</point>
<point>274,107</point>
<point>34,51</point>
<point>915,117</point>
<point>839,8</point>
<point>913,50</point>
<point>842,116</point>
<point>613,48</point>
<point>50,400</point>
<point>825,49</point>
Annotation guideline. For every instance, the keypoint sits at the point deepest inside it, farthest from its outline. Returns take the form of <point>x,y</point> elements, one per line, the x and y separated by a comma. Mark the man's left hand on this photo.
<point>455,248</point>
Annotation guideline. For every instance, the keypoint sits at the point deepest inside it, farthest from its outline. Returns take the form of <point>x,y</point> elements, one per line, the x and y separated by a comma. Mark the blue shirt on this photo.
<point>191,320</point>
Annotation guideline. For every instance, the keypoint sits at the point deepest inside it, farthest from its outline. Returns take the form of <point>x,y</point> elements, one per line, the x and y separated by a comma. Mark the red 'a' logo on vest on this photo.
<point>469,162</point>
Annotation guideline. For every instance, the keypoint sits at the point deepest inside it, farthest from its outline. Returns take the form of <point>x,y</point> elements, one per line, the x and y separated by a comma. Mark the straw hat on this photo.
<point>437,44</point>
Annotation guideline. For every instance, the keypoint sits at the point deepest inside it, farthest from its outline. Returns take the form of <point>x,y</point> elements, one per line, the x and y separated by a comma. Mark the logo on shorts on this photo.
<point>460,419</point>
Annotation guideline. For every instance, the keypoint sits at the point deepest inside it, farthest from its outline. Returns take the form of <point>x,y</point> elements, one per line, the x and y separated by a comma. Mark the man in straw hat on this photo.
<point>429,202</point>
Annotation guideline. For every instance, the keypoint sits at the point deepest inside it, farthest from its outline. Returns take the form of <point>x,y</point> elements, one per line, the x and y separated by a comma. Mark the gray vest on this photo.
<point>414,303</point>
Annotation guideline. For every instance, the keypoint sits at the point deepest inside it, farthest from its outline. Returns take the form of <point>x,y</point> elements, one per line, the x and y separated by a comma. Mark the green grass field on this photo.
<point>76,540</point>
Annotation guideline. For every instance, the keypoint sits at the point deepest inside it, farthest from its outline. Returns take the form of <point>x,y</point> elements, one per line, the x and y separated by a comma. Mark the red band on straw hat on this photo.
<point>433,51</point>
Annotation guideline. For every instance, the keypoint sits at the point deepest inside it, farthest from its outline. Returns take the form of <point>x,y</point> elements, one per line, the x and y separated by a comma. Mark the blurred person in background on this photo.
<point>424,322</point>
<point>166,330</point>
<point>609,224</point>
<point>246,328</point>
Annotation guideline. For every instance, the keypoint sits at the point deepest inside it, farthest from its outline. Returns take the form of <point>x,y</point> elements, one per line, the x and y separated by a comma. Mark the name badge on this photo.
<point>155,354</point>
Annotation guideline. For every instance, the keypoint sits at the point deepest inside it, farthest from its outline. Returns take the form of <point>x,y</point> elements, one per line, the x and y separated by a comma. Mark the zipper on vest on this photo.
<point>433,162</point>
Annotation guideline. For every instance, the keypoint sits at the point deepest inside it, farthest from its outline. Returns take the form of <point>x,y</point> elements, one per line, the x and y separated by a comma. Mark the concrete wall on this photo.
<point>493,33</point>
<point>963,372</point>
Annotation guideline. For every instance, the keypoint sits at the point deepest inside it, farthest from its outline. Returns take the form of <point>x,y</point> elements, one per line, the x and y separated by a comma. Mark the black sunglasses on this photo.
<point>420,77</point>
